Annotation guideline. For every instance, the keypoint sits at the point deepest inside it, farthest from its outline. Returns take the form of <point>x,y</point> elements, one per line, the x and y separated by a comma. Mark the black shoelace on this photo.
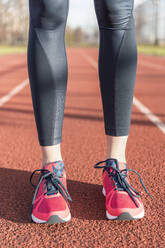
<point>53,183</point>
<point>119,178</point>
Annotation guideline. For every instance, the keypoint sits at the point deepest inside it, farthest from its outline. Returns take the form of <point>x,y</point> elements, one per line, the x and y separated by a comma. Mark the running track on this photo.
<point>83,145</point>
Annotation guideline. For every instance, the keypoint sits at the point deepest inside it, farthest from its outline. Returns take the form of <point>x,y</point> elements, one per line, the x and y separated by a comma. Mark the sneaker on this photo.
<point>123,202</point>
<point>50,202</point>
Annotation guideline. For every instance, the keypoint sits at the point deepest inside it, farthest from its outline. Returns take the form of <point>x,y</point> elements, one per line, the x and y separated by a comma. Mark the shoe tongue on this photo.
<point>117,164</point>
<point>56,167</point>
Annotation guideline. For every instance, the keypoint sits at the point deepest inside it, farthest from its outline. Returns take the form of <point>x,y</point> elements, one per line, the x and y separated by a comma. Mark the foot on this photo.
<point>50,201</point>
<point>123,202</point>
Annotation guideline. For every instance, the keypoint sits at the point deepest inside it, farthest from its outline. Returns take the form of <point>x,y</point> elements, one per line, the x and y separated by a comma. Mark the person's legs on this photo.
<point>48,72</point>
<point>117,70</point>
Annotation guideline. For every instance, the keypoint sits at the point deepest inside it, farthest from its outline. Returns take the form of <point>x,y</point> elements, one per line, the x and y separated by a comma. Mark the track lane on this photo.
<point>83,145</point>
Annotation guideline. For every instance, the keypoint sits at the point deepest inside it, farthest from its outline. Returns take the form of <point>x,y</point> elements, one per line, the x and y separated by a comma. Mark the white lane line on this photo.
<point>146,111</point>
<point>149,114</point>
<point>13,92</point>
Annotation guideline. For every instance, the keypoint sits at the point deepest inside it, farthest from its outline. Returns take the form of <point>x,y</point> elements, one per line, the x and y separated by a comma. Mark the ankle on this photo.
<point>116,147</point>
<point>51,154</point>
<point>120,159</point>
<point>47,160</point>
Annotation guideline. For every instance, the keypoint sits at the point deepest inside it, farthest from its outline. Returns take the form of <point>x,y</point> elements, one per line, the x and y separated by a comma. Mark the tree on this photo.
<point>14,26</point>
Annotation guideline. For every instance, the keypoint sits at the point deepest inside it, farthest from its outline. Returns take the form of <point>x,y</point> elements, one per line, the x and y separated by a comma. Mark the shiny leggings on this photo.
<point>48,68</point>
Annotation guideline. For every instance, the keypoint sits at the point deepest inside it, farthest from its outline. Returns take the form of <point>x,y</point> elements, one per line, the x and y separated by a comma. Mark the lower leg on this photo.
<point>117,71</point>
<point>116,147</point>
<point>48,72</point>
<point>51,154</point>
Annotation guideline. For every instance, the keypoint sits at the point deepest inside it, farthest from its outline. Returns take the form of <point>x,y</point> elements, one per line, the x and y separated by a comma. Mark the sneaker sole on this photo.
<point>54,219</point>
<point>123,216</point>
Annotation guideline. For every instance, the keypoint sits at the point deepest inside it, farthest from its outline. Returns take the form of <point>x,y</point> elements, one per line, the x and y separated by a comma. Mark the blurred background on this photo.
<point>82,29</point>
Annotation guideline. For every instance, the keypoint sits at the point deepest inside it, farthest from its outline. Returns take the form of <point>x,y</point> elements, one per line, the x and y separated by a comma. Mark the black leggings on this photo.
<point>48,68</point>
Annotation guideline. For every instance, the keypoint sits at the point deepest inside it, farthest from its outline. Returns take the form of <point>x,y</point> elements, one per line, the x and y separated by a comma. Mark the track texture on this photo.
<point>83,145</point>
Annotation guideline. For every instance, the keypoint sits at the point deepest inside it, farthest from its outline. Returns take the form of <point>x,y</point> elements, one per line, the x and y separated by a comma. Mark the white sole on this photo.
<point>36,220</point>
<point>111,217</point>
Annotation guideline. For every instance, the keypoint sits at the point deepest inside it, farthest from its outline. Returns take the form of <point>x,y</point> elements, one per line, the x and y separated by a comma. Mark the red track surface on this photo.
<point>83,145</point>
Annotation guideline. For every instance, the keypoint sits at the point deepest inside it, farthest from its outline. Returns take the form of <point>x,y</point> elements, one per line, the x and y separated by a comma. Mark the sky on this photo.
<point>81,13</point>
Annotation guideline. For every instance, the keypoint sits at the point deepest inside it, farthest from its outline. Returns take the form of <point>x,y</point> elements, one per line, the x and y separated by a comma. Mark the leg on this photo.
<point>47,67</point>
<point>117,70</point>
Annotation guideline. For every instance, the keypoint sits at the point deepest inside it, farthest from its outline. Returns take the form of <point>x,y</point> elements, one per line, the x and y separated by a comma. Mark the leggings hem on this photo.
<point>117,132</point>
<point>49,141</point>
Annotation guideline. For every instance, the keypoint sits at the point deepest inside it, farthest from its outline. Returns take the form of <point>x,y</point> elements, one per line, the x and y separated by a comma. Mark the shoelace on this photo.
<point>54,185</point>
<point>119,178</point>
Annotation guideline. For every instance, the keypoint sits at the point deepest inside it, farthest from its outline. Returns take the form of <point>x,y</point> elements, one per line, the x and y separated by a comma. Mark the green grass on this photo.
<point>12,49</point>
<point>152,50</point>
<point>143,49</point>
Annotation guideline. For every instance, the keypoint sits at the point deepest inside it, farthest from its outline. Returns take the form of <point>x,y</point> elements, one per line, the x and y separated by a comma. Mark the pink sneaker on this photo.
<point>123,202</point>
<point>50,201</point>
